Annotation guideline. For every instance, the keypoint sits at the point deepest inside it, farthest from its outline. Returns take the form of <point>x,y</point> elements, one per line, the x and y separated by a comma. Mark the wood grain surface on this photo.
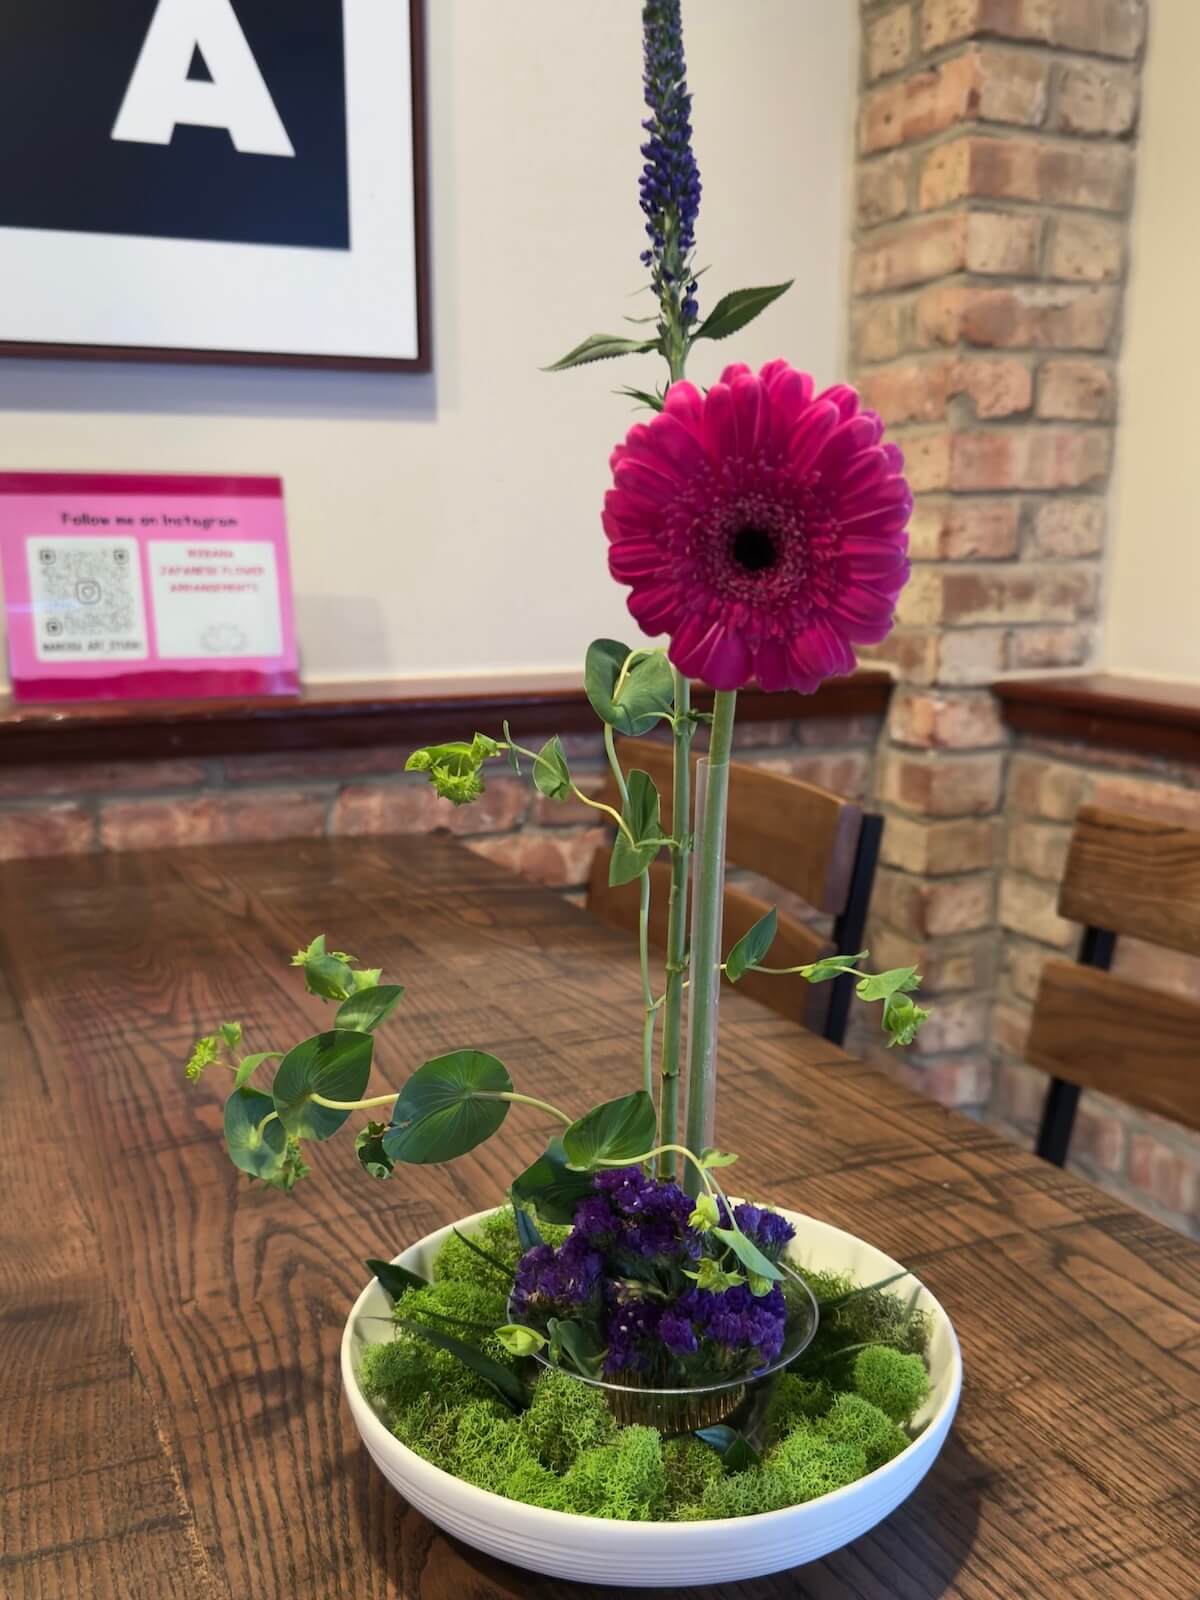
<point>171,1422</point>
<point>1134,875</point>
<point>1100,1032</point>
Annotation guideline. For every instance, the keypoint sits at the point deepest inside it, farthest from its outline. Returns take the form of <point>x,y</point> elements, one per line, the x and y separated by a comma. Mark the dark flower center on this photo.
<point>754,549</point>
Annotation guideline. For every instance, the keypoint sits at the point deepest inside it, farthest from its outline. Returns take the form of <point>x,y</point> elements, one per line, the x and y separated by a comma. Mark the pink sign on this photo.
<point>146,587</point>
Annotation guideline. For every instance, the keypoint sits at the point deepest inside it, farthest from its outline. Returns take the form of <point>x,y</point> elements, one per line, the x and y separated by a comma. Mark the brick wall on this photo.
<point>138,805</point>
<point>994,178</point>
<point>1149,1160</point>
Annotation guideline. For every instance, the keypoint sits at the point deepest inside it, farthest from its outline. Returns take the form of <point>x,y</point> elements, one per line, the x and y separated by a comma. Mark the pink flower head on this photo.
<point>762,527</point>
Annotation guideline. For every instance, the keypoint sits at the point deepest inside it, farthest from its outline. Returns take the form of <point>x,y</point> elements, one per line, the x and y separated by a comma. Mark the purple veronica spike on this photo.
<point>670,181</point>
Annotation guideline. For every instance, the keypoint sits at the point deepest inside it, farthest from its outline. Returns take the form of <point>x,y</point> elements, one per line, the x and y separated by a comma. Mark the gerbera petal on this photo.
<point>684,401</point>
<point>895,457</point>
<point>843,445</point>
<point>843,397</point>
<point>675,442</point>
<point>748,406</point>
<point>644,479</point>
<point>720,424</point>
<point>810,433</point>
<point>633,560</point>
<point>705,650</point>
<point>823,645</point>
<point>735,370</point>
<point>771,668</point>
<point>655,607</point>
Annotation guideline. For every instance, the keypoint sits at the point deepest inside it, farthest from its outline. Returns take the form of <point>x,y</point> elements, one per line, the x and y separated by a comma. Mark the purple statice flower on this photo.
<point>767,1229</point>
<point>631,1327</point>
<point>737,1320</point>
<point>596,1221</point>
<point>553,1281</point>
<point>670,181</point>
<point>678,1334</point>
<point>625,1187</point>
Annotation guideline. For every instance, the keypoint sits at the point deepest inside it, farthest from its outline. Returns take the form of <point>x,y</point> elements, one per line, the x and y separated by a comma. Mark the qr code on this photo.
<point>87,600</point>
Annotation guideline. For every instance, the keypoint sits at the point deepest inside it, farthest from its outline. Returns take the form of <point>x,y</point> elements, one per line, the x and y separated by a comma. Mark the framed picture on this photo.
<point>214,180</point>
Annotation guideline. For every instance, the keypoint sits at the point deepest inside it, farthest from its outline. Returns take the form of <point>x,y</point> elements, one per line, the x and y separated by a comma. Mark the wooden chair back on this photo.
<point>803,838</point>
<point>1131,876</point>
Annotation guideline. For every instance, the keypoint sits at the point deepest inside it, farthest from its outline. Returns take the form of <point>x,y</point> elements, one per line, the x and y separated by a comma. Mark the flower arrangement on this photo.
<point>623,1339</point>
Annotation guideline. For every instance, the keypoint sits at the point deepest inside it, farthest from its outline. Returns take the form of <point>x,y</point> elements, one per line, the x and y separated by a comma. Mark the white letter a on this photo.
<point>161,95</point>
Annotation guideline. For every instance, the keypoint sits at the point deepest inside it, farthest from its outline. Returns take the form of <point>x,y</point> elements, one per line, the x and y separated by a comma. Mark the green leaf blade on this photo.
<point>446,1108</point>
<point>646,696</point>
<point>366,1009</point>
<point>613,1134</point>
<point>505,1382</point>
<point>551,1187</point>
<point>259,1154</point>
<point>641,814</point>
<point>395,1279</point>
<point>337,1065</point>
<point>748,1253</point>
<point>752,947</point>
<point>737,309</point>
<point>249,1065</point>
<point>551,775</point>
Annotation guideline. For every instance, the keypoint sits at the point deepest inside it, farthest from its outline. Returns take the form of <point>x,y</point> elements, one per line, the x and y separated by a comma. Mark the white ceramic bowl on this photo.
<point>658,1554</point>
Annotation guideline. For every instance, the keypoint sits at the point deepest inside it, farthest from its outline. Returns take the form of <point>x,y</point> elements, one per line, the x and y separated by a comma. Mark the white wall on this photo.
<point>1153,575</point>
<point>450,524</point>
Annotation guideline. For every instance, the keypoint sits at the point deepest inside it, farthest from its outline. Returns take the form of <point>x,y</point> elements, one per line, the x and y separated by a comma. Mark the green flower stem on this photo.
<point>681,809</point>
<point>354,1105</point>
<point>596,805</point>
<point>649,1007</point>
<point>268,1118</point>
<point>667,1149</point>
<point>706,938</point>
<point>524,1100</point>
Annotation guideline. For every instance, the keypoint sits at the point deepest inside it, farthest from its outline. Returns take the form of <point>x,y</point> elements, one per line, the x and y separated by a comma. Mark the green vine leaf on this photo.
<point>368,1146</point>
<point>601,347</point>
<point>448,1107</point>
<point>259,1154</point>
<point>364,1011</point>
<point>336,1065</point>
<point>326,974</point>
<point>647,694</point>
<point>738,308</point>
<point>748,1253</point>
<point>752,947</point>
<point>551,775</point>
<point>641,814</point>
<point>249,1065</point>
<point>831,967</point>
<point>614,1133</point>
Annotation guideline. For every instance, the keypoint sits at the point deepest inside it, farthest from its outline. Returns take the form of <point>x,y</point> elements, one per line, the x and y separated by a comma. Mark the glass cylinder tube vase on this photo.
<point>704,988</point>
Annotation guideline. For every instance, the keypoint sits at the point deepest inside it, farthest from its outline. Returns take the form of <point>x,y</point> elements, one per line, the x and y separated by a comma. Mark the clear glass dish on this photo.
<point>683,1410</point>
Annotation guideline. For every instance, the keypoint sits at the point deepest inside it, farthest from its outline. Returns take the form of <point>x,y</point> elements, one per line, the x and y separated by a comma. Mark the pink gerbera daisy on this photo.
<point>762,528</point>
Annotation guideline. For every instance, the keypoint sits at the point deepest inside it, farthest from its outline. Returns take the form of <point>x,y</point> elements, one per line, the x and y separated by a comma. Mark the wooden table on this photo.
<point>171,1422</point>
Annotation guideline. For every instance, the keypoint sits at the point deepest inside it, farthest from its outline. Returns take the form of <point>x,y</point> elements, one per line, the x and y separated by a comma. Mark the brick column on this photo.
<point>994,180</point>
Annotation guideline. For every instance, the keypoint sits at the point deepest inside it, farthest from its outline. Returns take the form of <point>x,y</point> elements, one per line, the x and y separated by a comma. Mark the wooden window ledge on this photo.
<point>347,715</point>
<point>1140,714</point>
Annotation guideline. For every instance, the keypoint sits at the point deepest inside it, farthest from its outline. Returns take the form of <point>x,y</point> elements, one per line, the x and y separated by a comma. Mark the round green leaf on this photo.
<point>249,1065</point>
<point>336,1065</point>
<point>647,694</point>
<point>550,1187</point>
<point>259,1154</point>
<point>365,1010</point>
<point>617,1131</point>
<point>441,1112</point>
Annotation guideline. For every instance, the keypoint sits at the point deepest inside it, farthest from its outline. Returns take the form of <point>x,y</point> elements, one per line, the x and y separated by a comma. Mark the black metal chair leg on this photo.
<point>1058,1120</point>
<point>849,928</point>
